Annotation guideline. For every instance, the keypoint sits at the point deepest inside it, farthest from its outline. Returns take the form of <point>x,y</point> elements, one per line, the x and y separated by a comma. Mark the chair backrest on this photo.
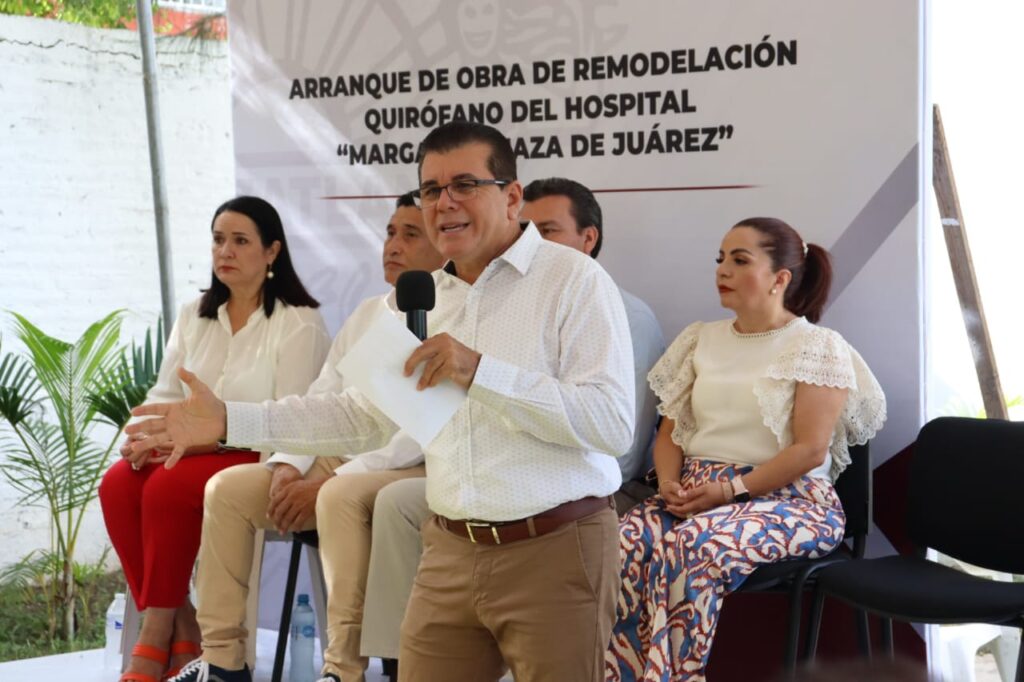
<point>854,489</point>
<point>966,496</point>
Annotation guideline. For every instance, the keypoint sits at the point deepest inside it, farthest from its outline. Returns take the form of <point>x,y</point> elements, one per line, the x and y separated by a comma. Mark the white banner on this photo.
<point>684,116</point>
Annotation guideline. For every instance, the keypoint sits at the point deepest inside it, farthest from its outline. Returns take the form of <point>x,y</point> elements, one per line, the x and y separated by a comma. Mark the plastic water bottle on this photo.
<point>115,630</point>
<point>302,634</point>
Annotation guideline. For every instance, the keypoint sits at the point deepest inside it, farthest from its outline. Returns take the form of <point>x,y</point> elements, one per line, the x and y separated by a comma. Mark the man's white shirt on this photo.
<point>401,451</point>
<point>550,407</point>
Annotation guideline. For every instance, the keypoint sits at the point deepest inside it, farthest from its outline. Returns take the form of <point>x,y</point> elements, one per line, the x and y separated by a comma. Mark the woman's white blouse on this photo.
<point>269,358</point>
<point>731,395</point>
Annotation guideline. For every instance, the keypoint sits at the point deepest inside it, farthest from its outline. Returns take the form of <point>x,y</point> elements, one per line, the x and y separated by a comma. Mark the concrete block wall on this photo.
<point>77,237</point>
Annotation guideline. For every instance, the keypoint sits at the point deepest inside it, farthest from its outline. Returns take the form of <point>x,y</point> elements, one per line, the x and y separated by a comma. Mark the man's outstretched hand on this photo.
<point>199,419</point>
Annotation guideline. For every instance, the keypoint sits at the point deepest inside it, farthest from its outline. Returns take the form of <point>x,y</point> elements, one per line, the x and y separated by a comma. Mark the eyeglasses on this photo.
<point>458,190</point>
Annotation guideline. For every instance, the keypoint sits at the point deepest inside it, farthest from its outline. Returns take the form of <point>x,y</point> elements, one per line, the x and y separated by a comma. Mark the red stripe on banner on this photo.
<point>693,188</point>
<point>612,190</point>
<point>356,197</point>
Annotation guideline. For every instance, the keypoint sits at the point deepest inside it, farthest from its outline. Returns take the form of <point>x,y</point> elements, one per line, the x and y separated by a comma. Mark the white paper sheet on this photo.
<point>375,366</point>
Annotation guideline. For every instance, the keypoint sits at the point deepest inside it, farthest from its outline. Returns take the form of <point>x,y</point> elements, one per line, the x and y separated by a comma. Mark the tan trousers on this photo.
<point>543,606</point>
<point>400,511</point>
<point>235,506</point>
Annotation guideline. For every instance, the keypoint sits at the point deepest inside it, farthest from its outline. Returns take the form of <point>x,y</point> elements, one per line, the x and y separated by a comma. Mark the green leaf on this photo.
<point>70,373</point>
<point>19,388</point>
<point>128,386</point>
<point>32,463</point>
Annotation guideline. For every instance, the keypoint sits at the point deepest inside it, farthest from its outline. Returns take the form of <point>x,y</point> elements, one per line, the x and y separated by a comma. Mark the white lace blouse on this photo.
<point>731,394</point>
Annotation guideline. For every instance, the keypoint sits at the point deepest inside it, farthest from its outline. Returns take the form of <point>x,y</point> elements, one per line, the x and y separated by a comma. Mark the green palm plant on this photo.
<point>51,399</point>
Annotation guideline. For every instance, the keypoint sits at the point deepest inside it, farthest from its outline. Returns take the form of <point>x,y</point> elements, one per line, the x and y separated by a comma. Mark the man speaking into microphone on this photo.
<point>520,564</point>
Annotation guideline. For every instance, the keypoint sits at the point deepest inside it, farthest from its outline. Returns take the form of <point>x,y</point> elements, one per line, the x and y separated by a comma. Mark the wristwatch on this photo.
<point>739,491</point>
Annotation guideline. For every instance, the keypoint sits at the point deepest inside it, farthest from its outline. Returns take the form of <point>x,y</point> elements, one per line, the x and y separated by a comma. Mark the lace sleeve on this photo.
<point>671,379</point>
<point>823,358</point>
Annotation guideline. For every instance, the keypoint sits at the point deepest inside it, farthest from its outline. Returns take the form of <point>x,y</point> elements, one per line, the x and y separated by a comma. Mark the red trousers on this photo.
<point>154,517</point>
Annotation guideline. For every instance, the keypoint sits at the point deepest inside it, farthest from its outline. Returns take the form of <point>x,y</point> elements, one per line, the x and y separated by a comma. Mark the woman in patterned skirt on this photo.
<point>758,413</point>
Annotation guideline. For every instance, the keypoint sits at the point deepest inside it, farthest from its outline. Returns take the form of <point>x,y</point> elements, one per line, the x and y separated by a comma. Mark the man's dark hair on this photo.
<point>405,201</point>
<point>582,204</point>
<point>501,162</point>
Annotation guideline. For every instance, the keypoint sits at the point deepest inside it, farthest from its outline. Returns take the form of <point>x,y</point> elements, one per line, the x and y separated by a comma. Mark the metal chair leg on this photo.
<point>796,593</point>
<point>863,633</point>
<point>814,625</point>
<point>887,646</point>
<point>286,611</point>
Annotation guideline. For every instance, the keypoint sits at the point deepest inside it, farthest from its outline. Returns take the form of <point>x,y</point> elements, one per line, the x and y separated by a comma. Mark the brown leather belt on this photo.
<point>502,532</point>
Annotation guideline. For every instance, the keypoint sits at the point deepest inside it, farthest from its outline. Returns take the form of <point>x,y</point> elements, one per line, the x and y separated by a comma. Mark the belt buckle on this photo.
<point>470,525</point>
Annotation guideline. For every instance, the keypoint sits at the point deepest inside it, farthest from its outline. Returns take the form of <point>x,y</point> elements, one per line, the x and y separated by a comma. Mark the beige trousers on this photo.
<point>400,511</point>
<point>235,507</point>
<point>544,606</point>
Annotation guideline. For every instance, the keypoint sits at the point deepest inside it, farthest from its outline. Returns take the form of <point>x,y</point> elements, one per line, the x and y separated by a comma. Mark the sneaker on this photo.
<point>329,677</point>
<point>201,671</point>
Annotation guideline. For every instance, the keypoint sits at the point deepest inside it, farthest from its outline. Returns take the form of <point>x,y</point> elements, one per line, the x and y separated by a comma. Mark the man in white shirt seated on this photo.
<point>520,562</point>
<point>566,212</point>
<point>334,495</point>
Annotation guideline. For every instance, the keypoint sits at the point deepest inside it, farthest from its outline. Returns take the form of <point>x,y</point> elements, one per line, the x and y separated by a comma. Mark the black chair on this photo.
<point>308,538</point>
<point>964,500</point>
<point>796,575</point>
<point>311,539</point>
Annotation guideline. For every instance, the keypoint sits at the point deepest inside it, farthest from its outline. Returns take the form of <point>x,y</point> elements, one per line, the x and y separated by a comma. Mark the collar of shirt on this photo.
<point>520,255</point>
<point>225,319</point>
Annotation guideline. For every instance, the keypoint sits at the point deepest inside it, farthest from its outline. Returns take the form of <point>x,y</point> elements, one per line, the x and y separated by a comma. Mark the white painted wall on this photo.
<point>77,238</point>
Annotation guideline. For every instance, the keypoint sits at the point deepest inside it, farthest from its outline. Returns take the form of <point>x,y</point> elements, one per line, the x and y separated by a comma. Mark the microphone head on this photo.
<point>414,291</point>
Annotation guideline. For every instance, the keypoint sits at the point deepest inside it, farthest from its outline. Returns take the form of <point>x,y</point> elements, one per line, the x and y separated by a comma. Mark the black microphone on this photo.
<point>414,293</point>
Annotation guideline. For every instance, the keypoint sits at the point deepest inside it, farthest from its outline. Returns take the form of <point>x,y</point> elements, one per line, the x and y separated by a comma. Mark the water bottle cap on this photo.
<point>303,599</point>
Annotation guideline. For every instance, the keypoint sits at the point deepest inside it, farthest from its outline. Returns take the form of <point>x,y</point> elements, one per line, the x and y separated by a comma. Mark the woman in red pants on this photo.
<point>253,335</point>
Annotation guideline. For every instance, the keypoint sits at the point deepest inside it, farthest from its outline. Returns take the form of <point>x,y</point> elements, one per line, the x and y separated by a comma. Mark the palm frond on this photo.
<point>19,388</point>
<point>78,480</point>
<point>146,360</point>
<point>96,359</point>
<point>51,362</point>
<point>33,568</point>
<point>70,373</point>
<point>32,465</point>
<point>128,386</point>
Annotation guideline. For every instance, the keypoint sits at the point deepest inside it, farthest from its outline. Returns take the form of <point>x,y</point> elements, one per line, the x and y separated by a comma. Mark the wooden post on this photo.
<point>963,275</point>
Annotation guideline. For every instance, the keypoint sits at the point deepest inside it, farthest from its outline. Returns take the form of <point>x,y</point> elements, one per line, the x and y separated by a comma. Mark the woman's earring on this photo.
<point>270,273</point>
<point>773,291</point>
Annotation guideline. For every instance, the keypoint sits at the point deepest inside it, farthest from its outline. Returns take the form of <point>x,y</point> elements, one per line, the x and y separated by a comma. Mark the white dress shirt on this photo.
<point>269,358</point>
<point>401,451</point>
<point>549,410</point>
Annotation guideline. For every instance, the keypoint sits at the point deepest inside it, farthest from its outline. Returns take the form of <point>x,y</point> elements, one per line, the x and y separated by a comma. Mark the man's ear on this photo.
<point>515,199</point>
<point>589,238</point>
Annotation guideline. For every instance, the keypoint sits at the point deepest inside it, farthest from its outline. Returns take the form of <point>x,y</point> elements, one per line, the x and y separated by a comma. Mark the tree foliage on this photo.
<point>96,13</point>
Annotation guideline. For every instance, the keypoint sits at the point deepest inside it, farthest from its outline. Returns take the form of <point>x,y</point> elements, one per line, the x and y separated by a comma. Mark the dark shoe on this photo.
<point>390,668</point>
<point>201,671</point>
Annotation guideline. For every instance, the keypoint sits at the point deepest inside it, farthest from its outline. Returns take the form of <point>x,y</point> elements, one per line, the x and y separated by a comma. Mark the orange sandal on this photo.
<point>183,647</point>
<point>152,653</point>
